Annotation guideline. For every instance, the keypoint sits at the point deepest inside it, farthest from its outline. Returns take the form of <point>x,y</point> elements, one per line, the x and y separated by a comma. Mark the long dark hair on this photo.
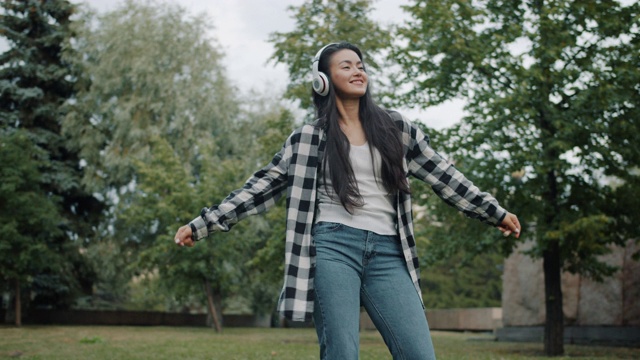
<point>379,129</point>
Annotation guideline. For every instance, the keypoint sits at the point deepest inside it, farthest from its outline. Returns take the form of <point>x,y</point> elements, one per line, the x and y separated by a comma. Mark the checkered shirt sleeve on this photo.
<point>259,193</point>
<point>446,181</point>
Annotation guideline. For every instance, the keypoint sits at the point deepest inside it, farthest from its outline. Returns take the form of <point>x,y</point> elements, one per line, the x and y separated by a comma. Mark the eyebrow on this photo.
<point>349,61</point>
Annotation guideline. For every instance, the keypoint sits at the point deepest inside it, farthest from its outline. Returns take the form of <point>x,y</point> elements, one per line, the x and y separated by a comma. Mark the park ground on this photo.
<point>126,342</point>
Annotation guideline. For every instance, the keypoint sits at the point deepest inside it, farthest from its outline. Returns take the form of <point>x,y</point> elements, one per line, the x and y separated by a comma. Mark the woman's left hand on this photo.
<point>509,225</point>
<point>183,236</point>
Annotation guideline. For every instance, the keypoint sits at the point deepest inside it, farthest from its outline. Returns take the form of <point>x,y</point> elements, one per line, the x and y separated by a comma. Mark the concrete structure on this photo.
<point>594,311</point>
<point>476,319</point>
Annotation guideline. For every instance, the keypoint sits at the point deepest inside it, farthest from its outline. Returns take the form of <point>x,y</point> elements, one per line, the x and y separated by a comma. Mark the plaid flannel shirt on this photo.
<point>295,169</point>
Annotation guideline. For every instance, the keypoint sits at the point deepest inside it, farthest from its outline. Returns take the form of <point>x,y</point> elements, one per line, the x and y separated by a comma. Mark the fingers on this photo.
<point>516,225</point>
<point>188,243</point>
<point>506,232</point>
<point>183,237</point>
<point>510,225</point>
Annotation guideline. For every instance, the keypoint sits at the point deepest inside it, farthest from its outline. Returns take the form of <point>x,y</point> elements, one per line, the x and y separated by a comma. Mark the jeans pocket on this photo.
<point>325,228</point>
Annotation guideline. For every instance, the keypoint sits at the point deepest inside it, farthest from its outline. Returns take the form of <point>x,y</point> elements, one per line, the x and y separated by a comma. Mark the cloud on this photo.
<point>242,28</point>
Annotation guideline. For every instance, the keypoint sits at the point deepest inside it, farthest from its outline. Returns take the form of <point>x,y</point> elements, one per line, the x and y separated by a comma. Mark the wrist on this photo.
<point>199,226</point>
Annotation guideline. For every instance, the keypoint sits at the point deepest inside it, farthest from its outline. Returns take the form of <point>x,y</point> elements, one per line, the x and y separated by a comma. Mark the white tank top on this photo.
<point>378,214</point>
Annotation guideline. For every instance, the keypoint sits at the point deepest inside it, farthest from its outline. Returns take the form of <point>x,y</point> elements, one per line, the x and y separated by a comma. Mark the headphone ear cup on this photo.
<point>321,84</point>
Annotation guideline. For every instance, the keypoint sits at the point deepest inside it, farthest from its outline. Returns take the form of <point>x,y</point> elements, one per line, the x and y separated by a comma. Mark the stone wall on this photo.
<point>613,302</point>
<point>469,319</point>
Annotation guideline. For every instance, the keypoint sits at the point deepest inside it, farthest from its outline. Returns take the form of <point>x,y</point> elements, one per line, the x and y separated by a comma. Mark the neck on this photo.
<point>349,110</point>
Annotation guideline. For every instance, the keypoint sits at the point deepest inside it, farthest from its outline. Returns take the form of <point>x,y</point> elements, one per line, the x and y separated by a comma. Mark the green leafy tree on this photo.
<point>162,131</point>
<point>28,218</point>
<point>552,91</point>
<point>111,288</point>
<point>34,83</point>
<point>147,70</point>
<point>163,201</point>
<point>456,282</point>
<point>319,23</point>
<point>150,80</point>
<point>225,264</point>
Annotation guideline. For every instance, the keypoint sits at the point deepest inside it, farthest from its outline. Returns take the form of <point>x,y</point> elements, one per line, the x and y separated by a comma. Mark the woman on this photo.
<point>349,234</point>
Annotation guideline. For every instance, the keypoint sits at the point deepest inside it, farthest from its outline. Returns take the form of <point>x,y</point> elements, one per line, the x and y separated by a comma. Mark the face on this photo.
<point>347,74</point>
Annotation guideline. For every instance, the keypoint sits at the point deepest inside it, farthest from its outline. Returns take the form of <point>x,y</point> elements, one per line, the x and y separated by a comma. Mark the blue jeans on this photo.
<point>357,267</point>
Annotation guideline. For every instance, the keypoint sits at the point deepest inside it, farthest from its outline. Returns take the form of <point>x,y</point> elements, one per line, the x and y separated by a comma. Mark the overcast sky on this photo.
<point>243,26</point>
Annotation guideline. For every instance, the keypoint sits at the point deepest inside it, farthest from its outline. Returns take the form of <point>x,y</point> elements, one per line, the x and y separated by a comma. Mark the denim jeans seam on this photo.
<point>389,328</point>
<point>318,303</point>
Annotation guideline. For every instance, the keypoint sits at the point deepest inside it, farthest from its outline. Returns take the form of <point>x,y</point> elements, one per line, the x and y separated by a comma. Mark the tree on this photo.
<point>552,91</point>
<point>146,70</point>
<point>160,204</point>
<point>28,219</point>
<point>454,282</point>
<point>161,130</point>
<point>34,84</point>
<point>217,265</point>
<point>319,23</point>
<point>150,79</point>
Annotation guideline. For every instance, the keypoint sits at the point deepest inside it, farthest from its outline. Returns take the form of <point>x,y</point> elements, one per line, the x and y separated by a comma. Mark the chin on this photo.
<point>354,94</point>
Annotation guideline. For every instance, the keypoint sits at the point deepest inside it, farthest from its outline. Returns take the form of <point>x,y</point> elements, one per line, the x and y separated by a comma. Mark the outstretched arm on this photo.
<point>446,181</point>
<point>258,194</point>
<point>451,185</point>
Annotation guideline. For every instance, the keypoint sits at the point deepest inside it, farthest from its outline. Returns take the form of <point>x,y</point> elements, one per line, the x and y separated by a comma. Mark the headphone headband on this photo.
<point>319,53</point>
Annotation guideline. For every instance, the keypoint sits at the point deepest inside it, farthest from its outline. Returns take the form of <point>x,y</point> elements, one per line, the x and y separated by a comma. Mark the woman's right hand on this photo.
<point>510,225</point>
<point>184,236</point>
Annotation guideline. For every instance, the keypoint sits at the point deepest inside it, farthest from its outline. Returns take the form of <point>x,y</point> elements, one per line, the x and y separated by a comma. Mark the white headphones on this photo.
<point>320,80</point>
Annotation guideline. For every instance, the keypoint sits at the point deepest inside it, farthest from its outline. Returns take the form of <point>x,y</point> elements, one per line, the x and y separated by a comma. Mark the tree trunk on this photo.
<point>554,322</point>
<point>211,306</point>
<point>552,266</point>
<point>18,304</point>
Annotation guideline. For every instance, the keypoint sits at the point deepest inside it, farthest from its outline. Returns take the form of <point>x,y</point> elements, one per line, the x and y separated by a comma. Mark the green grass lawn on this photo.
<point>104,342</point>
